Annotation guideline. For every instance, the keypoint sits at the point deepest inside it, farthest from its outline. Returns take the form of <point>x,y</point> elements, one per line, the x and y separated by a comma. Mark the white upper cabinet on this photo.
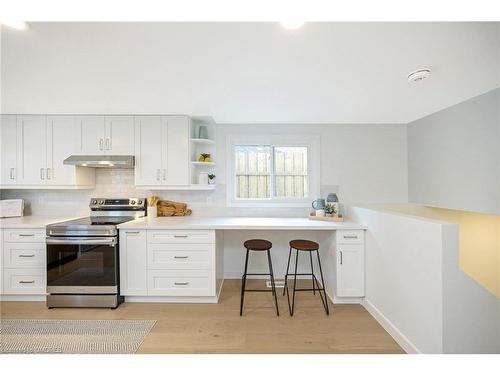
<point>148,150</point>
<point>108,135</point>
<point>162,151</point>
<point>119,135</point>
<point>31,149</point>
<point>92,135</point>
<point>63,140</point>
<point>8,153</point>
<point>176,165</point>
<point>34,148</point>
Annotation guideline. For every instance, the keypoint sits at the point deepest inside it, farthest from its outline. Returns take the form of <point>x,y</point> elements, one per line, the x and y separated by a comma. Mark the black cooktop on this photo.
<point>99,220</point>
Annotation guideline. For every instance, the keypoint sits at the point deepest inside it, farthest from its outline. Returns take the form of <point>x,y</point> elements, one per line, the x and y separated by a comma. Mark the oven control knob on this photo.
<point>140,202</point>
<point>94,202</point>
<point>132,202</point>
<point>101,202</point>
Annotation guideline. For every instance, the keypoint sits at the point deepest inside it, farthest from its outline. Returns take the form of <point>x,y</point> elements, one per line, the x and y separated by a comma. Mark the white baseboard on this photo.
<point>163,299</point>
<point>220,290</point>
<point>23,298</point>
<point>396,334</point>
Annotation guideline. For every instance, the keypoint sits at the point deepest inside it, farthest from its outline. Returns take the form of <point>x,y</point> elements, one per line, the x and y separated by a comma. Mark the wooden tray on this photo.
<point>326,218</point>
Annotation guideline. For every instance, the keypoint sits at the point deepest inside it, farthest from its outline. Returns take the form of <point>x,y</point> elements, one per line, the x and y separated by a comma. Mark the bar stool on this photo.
<point>258,245</point>
<point>306,246</point>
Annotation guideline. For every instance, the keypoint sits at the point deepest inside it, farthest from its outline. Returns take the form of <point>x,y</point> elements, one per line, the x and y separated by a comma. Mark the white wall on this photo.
<point>403,278</point>
<point>453,156</point>
<point>363,163</point>
<point>416,289</point>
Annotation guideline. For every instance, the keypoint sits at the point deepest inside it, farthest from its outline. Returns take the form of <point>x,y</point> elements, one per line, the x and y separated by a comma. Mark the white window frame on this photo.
<point>311,142</point>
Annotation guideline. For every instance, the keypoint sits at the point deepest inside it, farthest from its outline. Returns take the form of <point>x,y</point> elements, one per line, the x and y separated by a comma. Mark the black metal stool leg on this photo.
<point>312,272</point>
<point>285,287</point>
<point>243,283</point>
<point>325,303</point>
<point>273,285</point>
<point>294,281</point>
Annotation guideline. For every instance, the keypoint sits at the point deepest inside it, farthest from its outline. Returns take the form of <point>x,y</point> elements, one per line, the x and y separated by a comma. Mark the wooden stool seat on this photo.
<point>258,245</point>
<point>304,245</point>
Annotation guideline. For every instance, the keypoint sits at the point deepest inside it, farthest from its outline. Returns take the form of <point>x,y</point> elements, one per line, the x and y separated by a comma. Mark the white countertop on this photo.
<point>237,223</point>
<point>35,222</point>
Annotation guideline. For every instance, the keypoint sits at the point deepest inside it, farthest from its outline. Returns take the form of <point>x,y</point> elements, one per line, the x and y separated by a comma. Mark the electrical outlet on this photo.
<point>277,284</point>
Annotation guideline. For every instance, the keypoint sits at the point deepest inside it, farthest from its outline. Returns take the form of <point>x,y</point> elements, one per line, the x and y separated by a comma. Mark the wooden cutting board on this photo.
<point>171,208</point>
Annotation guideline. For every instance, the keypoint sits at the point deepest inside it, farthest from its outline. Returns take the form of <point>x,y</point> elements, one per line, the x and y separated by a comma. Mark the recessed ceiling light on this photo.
<point>419,75</point>
<point>291,25</point>
<point>19,25</point>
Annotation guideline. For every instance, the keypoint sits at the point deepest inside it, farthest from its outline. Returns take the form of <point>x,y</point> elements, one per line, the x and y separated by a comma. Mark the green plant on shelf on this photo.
<point>330,210</point>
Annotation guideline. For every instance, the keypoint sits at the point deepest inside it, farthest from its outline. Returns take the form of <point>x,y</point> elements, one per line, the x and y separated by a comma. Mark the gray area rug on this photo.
<point>73,336</point>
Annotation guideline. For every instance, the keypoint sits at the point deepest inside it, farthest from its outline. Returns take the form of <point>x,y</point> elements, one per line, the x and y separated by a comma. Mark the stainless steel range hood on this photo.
<point>101,161</point>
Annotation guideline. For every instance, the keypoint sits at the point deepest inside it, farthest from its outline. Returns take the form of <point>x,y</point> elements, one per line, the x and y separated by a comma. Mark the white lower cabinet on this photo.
<point>192,283</point>
<point>181,256</point>
<point>23,262</point>
<point>24,281</point>
<point>168,263</point>
<point>24,255</point>
<point>350,264</point>
<point>133,263</point>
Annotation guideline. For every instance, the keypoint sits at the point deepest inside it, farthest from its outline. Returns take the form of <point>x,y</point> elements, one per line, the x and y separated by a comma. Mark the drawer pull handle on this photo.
<point>26,256</point>
<point>341,258</point>
<point>181,283</point>
<point>27,235</point>
<point>180,257</point>
<point>27,282</point>
<point>352,237</point>
<point>137,232</point>
<point>180,236</point>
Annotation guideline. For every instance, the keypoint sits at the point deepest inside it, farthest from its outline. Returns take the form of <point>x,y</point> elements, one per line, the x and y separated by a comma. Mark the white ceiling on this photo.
<point>249,72</point>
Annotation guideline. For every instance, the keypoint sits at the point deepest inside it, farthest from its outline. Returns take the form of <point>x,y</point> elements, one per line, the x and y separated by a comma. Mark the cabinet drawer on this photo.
<point>351,236</point>
<point>24,281</point>
<point>24,235</point>
<point>181,256</point>
<point>181,283</point>
<point>24,255</point>
<point>181,236</point>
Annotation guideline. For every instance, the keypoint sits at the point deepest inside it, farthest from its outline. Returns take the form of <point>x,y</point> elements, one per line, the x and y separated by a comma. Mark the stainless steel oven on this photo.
<point>83,255</point>
<point>82,271</point>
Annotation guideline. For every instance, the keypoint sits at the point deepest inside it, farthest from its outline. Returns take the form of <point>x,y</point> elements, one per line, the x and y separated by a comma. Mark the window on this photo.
<point>272,174</point>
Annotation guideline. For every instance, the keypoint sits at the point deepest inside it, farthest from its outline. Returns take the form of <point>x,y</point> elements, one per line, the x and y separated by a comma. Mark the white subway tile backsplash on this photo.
<point>120,183</point>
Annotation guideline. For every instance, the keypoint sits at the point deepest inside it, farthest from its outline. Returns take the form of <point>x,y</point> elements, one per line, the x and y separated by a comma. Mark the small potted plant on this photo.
<point>330,210</point>
<point>211,179</point>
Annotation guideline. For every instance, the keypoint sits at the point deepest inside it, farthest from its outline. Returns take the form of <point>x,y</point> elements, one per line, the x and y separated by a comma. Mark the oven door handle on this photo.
<point>81,241</point>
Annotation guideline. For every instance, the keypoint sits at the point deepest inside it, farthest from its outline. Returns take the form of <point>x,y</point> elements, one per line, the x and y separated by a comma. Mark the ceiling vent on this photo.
<point>419,75</point>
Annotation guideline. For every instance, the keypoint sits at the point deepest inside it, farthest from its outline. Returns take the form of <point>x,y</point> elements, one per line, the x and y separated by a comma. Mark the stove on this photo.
<point>83,255</point>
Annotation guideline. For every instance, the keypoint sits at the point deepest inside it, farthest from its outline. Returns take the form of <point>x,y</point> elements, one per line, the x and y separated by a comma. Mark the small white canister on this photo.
<point>152,211</point>
<point>203,178</point>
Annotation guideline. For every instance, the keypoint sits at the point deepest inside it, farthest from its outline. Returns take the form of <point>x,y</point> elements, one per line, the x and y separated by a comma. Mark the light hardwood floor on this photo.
<point>218,328</point>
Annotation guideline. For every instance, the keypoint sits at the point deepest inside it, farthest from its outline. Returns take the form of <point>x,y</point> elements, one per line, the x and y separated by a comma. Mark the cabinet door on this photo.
<point>148,150</point>
<point>24,281</point>
<point>133,263</point>
<point>8,153</point>
<point>92,134</point>
<point>350,270</point>
<point>176,166</point>
<point>32,150</point>
<point>63,140</point>
<point>119,138</point>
